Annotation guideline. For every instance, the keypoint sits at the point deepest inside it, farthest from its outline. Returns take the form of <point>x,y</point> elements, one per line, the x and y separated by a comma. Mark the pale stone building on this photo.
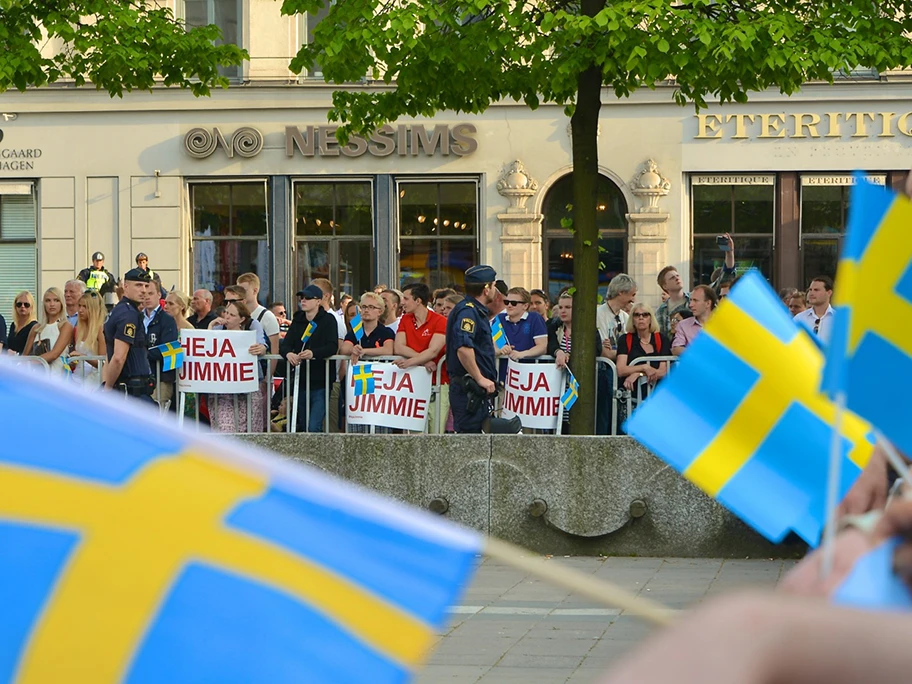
<point>253,179</point>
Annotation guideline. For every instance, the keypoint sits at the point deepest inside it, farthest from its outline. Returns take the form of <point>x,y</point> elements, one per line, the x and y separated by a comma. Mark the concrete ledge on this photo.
<point>565,495</point>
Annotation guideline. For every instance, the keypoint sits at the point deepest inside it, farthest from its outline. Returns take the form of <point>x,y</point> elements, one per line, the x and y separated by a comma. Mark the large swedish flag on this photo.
<point>753,428</point>
<point>130,551</point>
<point>872,328</point>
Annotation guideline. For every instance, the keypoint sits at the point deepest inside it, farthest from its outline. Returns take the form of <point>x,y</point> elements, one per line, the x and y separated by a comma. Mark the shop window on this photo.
<point>334,226</point>
<point>226,14</point>
<point>230,228</point>
<point>824,211</point>
<point>18,252</point>
<point>611,209</point>
<point>438,229</point>
<point>746,209</point>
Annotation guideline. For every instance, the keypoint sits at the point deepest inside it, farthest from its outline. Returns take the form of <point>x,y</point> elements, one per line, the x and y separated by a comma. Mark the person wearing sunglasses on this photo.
<point>526,333</point>
<point>642,339</point>
<point>818,318</point>
<point>24,319</point>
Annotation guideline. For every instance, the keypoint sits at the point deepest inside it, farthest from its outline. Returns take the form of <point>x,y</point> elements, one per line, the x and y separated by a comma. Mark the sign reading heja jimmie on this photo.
<point>217,361</point>
<point>400,398</point>
<point>532,392</point>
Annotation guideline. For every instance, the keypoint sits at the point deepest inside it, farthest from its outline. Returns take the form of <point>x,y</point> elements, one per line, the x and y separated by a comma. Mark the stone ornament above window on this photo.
<point>649,185</point>
<point>517,186</point>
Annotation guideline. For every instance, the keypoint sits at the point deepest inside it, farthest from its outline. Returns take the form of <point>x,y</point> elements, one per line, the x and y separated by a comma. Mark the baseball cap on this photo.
<point>312,292</point>
<point>480,274</point>
<point>98,256</point>
<point>137,275</point>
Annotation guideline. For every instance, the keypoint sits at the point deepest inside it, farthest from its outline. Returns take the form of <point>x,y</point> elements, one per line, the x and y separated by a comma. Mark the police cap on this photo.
<point>140,256</point>
<point>137,275</point>
<point>98,256</point>
<point>480,274</point>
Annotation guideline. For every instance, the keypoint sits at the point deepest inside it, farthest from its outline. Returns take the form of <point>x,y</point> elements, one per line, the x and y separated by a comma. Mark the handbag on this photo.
<point>41,347</point>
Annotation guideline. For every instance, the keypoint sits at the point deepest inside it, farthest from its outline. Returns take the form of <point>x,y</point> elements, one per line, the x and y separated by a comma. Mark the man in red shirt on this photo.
<point>421,339</point>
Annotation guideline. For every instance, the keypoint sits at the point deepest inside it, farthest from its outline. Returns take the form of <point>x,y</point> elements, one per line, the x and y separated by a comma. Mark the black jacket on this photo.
<point>162,328</point>
<point>323,342</point>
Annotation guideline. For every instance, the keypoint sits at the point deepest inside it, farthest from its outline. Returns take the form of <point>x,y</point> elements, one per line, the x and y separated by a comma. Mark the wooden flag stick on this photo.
<point>602,591</point>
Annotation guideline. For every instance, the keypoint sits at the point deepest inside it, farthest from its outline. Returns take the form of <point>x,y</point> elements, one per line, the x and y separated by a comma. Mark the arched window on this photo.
<point>611,208</point>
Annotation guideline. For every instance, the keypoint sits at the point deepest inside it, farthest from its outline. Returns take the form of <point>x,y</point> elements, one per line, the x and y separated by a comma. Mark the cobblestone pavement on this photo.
<point>510,627</point>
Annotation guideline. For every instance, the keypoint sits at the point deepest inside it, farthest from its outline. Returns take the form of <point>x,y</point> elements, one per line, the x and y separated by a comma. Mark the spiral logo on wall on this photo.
<point>245,142</point>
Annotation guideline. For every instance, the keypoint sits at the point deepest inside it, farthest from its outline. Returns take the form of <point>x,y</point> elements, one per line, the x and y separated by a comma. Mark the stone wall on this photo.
<point>568,495</point>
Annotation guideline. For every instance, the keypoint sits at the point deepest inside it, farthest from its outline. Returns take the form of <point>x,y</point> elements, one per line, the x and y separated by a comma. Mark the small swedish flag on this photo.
<point>172,355</point>
<point>498,333</point>
<point>571,394</point>
<point>363,377</point>
<point>308,331</point>
<point>357,326</point>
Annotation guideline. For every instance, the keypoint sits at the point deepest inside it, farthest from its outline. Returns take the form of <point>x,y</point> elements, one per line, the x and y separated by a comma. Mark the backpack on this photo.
<point>656,342</point>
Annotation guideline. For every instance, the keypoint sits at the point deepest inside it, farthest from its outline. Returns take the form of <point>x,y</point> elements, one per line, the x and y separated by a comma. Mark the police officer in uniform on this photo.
<point>97,277</point>
<point>470,352</point>
<point>128,368</point>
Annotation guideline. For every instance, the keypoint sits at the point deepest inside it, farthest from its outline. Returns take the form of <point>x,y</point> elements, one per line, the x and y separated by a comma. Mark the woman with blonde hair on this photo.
<point>88,337</point>
<point>177,304</point>
<point>23,320</point>
<point>642,339</point>
<point>53,334</point>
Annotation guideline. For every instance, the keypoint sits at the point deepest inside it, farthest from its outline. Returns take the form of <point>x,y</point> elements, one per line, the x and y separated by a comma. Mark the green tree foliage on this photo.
<point>426,56</point>
<point>115,45</point>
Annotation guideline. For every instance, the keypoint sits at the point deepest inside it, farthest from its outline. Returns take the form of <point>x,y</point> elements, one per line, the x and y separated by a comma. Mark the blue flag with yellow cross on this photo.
<point>159,555</point>
<point>869,357</point>
<point>363,377</point>
<point>172,355</point>
<point>753,426</point>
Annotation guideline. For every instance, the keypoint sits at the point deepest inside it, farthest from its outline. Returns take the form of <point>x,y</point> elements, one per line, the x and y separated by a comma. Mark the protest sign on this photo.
<point>532,392</point>
<point>400,398</point>
<point>218,361</point>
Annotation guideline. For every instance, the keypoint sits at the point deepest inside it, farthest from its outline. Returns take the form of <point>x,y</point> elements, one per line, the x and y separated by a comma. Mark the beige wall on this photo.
<point>97,170</point>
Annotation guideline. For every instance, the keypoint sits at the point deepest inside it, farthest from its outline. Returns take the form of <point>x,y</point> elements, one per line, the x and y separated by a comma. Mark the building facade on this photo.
<point>254,179</point>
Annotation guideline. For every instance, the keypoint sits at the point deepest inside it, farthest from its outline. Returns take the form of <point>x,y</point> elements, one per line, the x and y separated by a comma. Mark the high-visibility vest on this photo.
<point>96,279</point>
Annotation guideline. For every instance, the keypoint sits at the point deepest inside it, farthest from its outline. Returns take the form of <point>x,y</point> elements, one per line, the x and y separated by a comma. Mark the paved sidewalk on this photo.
<point>510,627</point>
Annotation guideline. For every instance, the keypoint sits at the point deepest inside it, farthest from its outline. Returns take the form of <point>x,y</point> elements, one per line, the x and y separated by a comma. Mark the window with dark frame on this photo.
<point>334,228</point>
<point>747,211</point>
<point>438,231</point>
<point>230,234</point>
<point>611,210</point>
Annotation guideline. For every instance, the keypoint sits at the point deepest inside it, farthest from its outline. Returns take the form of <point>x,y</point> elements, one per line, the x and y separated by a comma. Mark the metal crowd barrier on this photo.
<point>304,369</point>
<point>643,388</point>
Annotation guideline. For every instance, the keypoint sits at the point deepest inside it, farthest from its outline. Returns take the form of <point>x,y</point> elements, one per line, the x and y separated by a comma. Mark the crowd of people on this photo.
<point>80,332</point>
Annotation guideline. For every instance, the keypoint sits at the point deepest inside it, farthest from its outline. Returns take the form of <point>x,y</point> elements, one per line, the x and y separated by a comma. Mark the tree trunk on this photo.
<point>584,124</point>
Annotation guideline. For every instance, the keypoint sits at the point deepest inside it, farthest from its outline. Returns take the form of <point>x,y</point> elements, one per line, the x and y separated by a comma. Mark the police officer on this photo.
<point>470,351</point>
<point>128,368</point>
<point>97,277</point>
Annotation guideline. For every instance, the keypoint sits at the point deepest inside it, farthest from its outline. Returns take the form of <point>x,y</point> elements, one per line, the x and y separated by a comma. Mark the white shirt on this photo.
<point>606,323</point>
<point>394,326</point>
<point>269,321</point>
<point>340,323</point>
<point>808,319</point>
